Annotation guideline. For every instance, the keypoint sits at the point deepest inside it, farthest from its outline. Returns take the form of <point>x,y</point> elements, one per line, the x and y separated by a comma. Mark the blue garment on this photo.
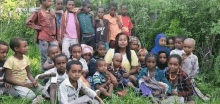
<point>157,47</point>
<point>92,65</point>
<point>159,76</point>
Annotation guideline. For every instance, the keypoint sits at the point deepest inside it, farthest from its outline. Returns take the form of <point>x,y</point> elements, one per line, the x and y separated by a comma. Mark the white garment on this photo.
<point>58,79</point>
<point>177,51</point>
<point>67,93</point>
<point>191,65</point>
<point>67,42</point>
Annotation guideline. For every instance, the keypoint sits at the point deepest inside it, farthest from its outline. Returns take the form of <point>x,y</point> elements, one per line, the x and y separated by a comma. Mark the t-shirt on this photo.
<point>113,26</point>
<point>58,79</point>
<point>190,65</point>
<point>101,31</point>
<point>71,27</point>
<point>98,78</point>
<point>177,51</point>
<point>58,20</point>
<point>85,21</point>
<point>127,24</point>
<point>125,63</point>
<point>18,68</point>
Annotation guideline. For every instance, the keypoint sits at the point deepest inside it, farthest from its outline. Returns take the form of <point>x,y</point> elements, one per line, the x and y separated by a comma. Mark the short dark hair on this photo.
<point>15,42</point>
<point>74,45</point>
<point>101,7</point>
<point>85,3</point>
<point>73,62</point>
<point>150,55</point>
<point>175,56</point>
<point>123,5</point>
<point>99,60</point>
<point>112,4</point>
<point>41,1</point>
<point>180,37</point>
<point>52,46</point>
<point>60,55</point>
<point>170,38</point>
<point>3,43</point>
<point>69,0</point>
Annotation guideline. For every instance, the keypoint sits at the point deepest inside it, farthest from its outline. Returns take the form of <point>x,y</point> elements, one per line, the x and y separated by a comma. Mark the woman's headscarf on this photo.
<point>157,47</point>
<point>86,49</point>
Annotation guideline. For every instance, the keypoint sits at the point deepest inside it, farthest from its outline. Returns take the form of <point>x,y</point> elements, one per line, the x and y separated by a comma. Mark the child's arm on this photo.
<point>53,88</point>
<point>119,22</point>
<point>31,22</point>
<point>29,75</point>
<point>48,66</point>
<point>99,99</point>
<point>1,79</point>
<point>112,78</point>
<point>45,75</point>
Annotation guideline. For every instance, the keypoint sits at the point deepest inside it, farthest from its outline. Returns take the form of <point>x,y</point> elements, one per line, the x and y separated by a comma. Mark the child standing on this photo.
<point>190,64</point>
<point>135,44</point>
<point>59,12</point>
<point>87,24</point>
<point>160,44</point>
<point>44,23</point>
<point>162,61</point>
<point>57,76</point>
<point>170,43</point>
<point>52,52</point>
<point>70,33</point>
<point>115,24</point>
<point>178,80</point>
<point>153,77</point>
<point>5,88</point>
<point>142,53</point>
<point>178,46</point>
<point>18,70</point>
<point>70,88</point>
<point>127,25</point>
<point>101,27</point>
<point>101,78</point>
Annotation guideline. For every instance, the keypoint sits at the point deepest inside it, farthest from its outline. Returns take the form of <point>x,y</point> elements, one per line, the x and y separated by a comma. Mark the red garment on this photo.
<point>127,24</point>
<point>47,22</point>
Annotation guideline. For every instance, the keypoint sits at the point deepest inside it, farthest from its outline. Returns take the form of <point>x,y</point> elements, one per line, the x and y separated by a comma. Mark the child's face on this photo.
<point>23,47</point>
<point>3,52</point>
<point>47,3</point>
<point>117,60</point>
<point>124,10</point>
<point>87,56</point>
<point>151,63</point>
<point>59,4</point>
<point>77,52</point>
<point>174,65</point>
<point>101,50</point>
<point>134,45</point>
<point>141,56</point>
<point>112,11</point>
<point>163,58</point>
<point>188,47</point>
<point>102,66</point>
<point>87,8</point>
<point>53,52</point>
<point>70,5</point>
<point>75,72</point>
<point>178,44</point>
<point>171,44</point>
<point>123,41</point>
<point>162,41</point>
<point>60,64</point>
<point>100,13</point>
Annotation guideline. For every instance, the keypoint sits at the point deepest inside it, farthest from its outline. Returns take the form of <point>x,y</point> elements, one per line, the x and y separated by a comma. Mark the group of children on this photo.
<point>68,39</point>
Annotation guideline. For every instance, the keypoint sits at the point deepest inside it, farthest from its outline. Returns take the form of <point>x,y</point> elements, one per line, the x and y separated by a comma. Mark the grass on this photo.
<point>130,98</point>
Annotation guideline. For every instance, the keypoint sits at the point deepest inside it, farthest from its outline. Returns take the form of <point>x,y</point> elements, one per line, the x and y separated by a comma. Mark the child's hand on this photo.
<point>35,83</point>
<point>174,93</point>
<point>101,102</point>
<point>108,82</point>
<point>147,79</point>
<point>7,85</point>
<point>91,12</point>
<point>126,75</point>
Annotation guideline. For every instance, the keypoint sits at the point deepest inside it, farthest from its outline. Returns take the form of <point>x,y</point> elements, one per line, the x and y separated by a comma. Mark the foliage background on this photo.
<point>198,19</point>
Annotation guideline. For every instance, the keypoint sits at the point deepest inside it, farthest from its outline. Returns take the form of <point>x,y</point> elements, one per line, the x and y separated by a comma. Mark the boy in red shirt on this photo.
<point>127,25</point>
<point>44,23</point>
